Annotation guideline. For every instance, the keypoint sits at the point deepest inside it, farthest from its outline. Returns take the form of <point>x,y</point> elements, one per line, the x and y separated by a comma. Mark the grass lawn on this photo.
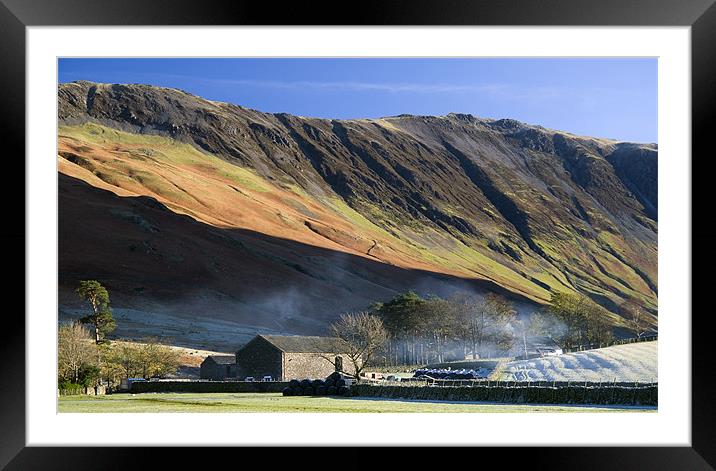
<point>275,402</point>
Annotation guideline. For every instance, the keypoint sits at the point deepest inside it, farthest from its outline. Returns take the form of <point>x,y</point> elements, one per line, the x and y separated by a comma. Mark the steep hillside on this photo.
<point>168,196</point>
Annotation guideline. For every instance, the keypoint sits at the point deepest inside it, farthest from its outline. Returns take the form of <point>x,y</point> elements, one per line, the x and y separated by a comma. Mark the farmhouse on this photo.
<point>287,357</point>
<point>218,367</point>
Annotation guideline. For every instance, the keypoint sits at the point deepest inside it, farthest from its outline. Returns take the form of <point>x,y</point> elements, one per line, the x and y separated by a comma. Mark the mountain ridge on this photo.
<point>453,114</point>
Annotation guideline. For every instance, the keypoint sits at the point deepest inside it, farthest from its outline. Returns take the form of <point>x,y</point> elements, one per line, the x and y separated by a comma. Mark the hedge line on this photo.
<point>208,386</point>
<point>646,395</point>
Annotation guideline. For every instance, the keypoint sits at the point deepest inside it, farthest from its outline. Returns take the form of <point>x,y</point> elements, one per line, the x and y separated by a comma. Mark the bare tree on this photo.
<point>521,327</point>
<point>361,335</point>
<point>441,324</point>
<point>544,324</point>
<point>75,349</point>
<point>484,320</point>
<point>635,315</point>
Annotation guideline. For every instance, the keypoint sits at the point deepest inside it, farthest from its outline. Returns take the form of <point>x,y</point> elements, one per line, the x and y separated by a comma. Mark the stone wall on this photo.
<point>312,365</point>
<point>208,386</point>
<point>512,392</point>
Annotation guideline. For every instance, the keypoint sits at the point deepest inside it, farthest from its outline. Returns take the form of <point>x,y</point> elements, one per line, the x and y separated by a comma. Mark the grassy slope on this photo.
<point>630,362</point>
<point>214,191</point>
<point>274,402</point>
<point>225,195</point>
<point>201,185</point>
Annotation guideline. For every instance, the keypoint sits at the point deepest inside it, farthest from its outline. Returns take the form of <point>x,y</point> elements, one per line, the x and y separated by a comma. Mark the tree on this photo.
<point>545,324</point>
<point>503,315</point>
<point>155,359</point>
<point>584,321</point>
<point>522,327</point>
<point>90,375</point>
<point>404,320</point>
<point>75,351</point>
<point>440,321</point>
<point>635,315</point>
<point>101,316</point>
<point>569,309</point>
<point>110,366</point>
<point>399,314</point>
<point>361,335</point>
<point>146,359</point>
<point>599,330</point>
<point>125,356</point>
<point>485,320</point>
<point>166,361</point>
<point>474,313</point>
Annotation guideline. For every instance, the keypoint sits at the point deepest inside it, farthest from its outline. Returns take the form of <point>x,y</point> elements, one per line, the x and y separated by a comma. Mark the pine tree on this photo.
<point>101,316</point>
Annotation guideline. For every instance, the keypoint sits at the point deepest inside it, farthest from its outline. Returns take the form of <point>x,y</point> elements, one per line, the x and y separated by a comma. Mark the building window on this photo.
<point>339,363</point>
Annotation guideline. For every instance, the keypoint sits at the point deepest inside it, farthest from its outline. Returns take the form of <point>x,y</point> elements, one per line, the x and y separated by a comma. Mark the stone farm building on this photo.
<point>218,367</point>
<point>287,357</point>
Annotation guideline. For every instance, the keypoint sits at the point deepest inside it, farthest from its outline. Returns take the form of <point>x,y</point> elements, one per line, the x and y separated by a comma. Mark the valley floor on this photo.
<point>275,402</point>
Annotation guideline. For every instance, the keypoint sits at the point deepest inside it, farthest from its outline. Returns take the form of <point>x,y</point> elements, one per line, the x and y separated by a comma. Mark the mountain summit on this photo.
<point>175,201</point>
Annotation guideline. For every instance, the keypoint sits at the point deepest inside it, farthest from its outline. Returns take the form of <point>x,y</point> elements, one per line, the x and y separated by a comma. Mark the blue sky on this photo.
<point>613,98</point>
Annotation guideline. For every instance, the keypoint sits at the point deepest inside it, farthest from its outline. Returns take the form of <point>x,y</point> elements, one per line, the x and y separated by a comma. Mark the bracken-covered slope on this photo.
<point>273,200</point>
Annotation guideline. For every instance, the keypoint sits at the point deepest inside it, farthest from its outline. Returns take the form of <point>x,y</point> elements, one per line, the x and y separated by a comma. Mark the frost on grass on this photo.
<point>631,362</point>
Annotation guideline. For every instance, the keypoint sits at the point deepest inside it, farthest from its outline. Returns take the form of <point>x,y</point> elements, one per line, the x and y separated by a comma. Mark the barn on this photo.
<point>287,357</point>
<point>218,367</point>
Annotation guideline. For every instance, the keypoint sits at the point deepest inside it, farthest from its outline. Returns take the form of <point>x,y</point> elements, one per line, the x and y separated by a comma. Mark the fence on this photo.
<point>529,384</point>
<point>207,386</point>
<point>516,392</point>
<point>591,346</point>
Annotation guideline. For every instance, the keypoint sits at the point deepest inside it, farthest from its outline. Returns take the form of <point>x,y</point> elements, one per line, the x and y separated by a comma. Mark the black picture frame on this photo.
<point>16,15</point>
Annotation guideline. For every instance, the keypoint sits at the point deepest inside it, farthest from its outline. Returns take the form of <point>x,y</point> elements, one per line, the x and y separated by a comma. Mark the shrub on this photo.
<point>89,375</point>
<point>70,389</point>
<point>68,385</point>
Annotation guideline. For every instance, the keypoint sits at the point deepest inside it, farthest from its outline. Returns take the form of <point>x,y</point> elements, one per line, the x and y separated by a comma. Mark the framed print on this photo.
<point>442,225</point>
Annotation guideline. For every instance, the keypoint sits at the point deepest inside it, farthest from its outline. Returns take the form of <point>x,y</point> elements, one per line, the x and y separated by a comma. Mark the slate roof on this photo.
<point>305,344</point>
<point>222,359</point>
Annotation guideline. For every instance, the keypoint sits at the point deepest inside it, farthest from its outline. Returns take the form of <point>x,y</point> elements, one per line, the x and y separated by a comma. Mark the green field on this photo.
<point>275,402</point>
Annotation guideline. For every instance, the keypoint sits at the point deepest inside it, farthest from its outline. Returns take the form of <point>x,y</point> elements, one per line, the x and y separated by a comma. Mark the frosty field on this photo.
<point>630,362</point>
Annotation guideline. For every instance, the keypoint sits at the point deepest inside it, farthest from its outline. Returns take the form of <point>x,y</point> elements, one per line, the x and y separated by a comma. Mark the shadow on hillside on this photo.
<point>154,259</point>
